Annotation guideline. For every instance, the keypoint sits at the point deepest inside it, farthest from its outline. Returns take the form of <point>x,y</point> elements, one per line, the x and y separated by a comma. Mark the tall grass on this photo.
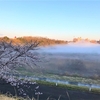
<point>10,97</point>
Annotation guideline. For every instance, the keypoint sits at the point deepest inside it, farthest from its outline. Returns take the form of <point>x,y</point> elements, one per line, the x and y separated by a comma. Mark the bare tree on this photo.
<point>12,56</point>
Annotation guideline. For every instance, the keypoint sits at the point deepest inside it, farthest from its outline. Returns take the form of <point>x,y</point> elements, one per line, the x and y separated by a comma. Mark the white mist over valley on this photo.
<point>78,47</point>
<point>80,58</point>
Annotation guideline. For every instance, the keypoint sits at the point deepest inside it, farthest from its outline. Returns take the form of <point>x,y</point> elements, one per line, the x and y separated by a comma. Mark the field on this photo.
<point>68,60</point>
<point>72,65</point>
<point>62,66</point>
<point>84,65</point>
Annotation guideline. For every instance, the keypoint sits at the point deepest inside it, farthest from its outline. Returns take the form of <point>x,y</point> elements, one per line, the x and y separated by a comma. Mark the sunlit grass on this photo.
<point>10,97</point>
<point>6,97</point>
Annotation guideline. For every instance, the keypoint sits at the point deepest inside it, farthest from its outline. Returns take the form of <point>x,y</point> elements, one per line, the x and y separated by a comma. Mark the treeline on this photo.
<point>42,41</point>
<point>87,40</point>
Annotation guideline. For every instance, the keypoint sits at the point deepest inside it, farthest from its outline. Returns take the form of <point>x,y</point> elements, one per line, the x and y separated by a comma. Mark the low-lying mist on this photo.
<point>81,58</point>
<point>90,48</point>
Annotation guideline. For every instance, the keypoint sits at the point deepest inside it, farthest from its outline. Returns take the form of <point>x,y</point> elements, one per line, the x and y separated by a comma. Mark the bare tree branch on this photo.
<point>13,55</point>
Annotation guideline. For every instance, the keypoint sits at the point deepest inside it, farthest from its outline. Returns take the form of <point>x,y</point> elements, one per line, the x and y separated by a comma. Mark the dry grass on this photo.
<point>4,97</point>
<point>10,97</point>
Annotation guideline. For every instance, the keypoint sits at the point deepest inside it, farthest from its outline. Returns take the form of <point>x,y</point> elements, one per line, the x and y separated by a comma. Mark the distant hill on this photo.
<point>79,39</point>
<point>43,41</point>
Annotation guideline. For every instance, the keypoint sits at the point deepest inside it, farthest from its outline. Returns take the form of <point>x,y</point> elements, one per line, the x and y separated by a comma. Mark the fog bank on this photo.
<point>79,47</point>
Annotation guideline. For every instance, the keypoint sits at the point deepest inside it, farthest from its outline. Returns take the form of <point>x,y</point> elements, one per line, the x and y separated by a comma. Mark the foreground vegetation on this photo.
<point>9,97</point>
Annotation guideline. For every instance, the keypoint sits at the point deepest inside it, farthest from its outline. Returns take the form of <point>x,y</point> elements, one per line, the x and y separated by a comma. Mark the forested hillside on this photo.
<point>42,40</point>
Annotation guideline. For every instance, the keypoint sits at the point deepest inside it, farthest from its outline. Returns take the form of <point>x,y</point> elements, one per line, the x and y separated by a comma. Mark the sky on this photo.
<point>56,19</point>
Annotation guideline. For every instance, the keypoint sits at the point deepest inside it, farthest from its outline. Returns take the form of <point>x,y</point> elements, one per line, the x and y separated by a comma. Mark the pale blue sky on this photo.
<point>58,19</point>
